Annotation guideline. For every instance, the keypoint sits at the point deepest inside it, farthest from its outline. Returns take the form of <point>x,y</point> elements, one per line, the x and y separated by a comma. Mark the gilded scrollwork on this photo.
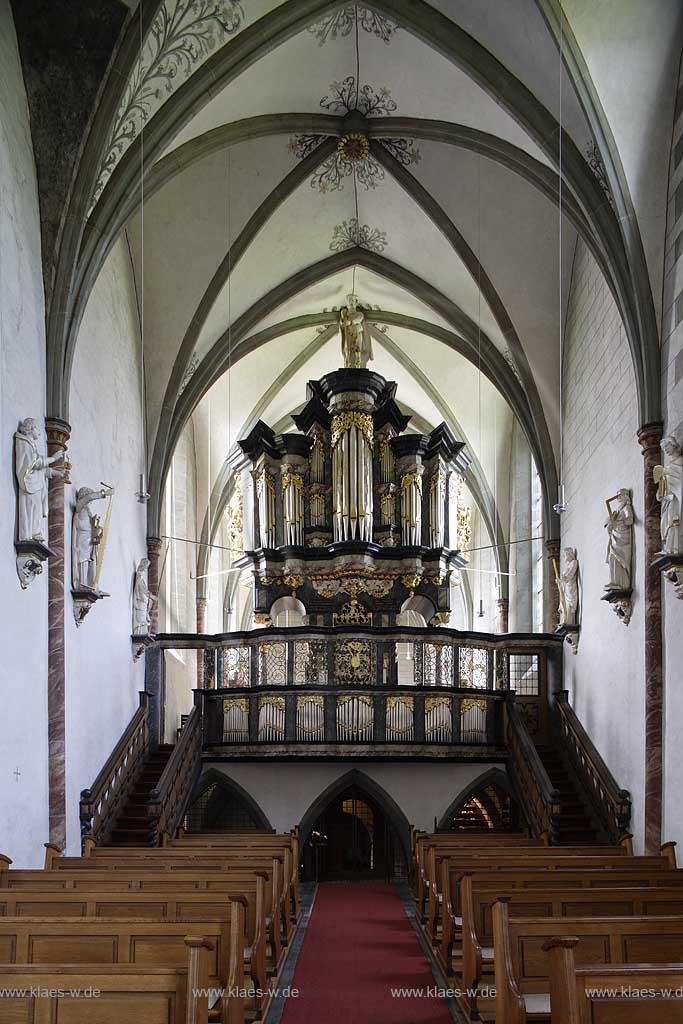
<point>343,421</point>
<point>353,661</point>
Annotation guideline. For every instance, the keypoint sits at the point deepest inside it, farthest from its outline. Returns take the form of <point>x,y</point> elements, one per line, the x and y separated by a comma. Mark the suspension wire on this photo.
<point>142,497</point>
<point>561,505</point>
<point>355,178</point>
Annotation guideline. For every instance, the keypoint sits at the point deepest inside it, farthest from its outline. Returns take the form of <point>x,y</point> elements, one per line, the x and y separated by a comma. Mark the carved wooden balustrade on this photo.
<point>168,801</point>
<point>101,804</point>
<point>401,688</point>
<point>540,800</point>
<point>612,804</point>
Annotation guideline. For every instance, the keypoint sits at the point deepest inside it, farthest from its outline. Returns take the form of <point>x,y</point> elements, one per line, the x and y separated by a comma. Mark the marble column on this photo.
<point>503,610</point>
<point>650,437</point>
<point>153,553</point>
<point>552,554</point>
<point>201,626</point>
<point>58,433</point>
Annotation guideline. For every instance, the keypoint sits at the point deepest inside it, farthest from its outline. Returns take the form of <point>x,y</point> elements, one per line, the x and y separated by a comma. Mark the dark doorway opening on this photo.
<point>353,839</point>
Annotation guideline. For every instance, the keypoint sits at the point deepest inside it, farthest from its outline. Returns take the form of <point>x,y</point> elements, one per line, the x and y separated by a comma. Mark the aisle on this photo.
<point>358,946</point>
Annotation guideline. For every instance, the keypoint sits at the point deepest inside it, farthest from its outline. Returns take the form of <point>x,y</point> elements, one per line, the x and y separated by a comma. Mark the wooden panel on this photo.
<point>653,907</point>
<point>592,949</point>
<point>168,951</point>
<point>76,949</point>
<point>131,908</point>
<point>8,947</point>
<point>35,908</point>
<point>630,1011</point>
<point>657,948</point>
<point>598,908</point>
<point>16,1011</point>
<point>143,1008</point>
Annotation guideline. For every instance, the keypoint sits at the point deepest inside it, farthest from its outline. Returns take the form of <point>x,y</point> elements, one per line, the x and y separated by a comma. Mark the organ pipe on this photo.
<point>352,441</point>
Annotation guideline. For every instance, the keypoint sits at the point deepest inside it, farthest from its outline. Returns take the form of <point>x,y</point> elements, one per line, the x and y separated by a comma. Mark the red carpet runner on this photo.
<point>360,945</point>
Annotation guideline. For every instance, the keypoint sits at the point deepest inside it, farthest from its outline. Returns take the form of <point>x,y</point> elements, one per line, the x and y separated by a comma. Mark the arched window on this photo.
<point>221,807</point>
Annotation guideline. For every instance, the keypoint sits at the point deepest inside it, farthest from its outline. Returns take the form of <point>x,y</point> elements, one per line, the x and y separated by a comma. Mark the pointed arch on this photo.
<point>377,793</point>
<point>491,777</point>
<point>214,779</point>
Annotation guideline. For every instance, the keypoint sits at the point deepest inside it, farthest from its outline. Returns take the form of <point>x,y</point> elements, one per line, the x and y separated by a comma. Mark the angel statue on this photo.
<point>355,336</point>
<point>669,480</point>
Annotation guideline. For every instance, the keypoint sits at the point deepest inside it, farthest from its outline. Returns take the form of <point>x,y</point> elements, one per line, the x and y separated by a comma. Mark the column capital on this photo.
<point>57,431</point>
<point>650,436</point>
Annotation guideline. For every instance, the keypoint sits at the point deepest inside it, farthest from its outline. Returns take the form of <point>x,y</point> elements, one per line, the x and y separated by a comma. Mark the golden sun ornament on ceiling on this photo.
<point>353,147</point>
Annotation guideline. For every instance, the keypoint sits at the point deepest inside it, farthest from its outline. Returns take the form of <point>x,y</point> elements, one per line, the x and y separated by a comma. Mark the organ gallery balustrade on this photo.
<point>361,686</point>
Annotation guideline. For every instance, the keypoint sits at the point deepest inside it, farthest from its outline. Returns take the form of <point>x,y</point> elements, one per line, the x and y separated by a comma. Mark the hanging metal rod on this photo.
<point>201,543</point>
<point>489,572</point>
<point>208,575</point>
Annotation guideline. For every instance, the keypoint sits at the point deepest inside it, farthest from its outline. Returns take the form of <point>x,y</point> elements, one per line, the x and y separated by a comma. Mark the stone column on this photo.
<point>503,609</point>
<point>552,553</point>
<point>201,626</point>
<point>153,553</point>
<point>58,433</point>
<point>650,437</point>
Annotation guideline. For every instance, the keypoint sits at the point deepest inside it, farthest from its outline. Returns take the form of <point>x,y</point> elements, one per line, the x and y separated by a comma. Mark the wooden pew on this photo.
<point>125,992</point>
<point>607,993</point>
<point>163,906</point>
<point>189,858</point>
<point>27,940</point>
<point>477,925</point>
<point>555,859</point>
<point>521,966</point>
<point>491,859</point>
<point>147,879</point>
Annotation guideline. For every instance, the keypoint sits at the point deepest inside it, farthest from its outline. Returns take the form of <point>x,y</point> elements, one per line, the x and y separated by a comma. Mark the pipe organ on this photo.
<point>352,509</point>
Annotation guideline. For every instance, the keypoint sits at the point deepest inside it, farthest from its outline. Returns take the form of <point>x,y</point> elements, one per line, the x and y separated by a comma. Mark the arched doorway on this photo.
<point>352,839</point>
<point>354,831</point>
<point>488,805</point>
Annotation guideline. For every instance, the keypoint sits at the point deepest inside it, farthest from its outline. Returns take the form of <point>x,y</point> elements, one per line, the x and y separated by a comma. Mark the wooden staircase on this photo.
<point>132,827</point>
<point>576,827</point>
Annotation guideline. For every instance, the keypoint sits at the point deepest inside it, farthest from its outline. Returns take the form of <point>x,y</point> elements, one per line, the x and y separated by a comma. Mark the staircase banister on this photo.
<point>91,795</point>
<point>548,791</point>
<point>621,796</point>
<point>170,771</point>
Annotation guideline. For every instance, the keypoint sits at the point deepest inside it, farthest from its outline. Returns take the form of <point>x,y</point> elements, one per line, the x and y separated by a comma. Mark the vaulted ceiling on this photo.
<point>253,228</point>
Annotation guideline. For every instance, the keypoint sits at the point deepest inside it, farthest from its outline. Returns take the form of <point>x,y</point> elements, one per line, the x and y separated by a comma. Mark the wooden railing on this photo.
<point>101,804</point>
<point>611,804</point>
<point>168,801</point>
<point>541,802</point>
<point>307,717</point>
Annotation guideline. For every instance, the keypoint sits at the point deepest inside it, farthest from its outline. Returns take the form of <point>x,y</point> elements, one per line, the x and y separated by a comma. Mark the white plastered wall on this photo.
<point>102,681</point>
<point>23,614</point>
<point>284,792</point>
<point>606,679</point>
